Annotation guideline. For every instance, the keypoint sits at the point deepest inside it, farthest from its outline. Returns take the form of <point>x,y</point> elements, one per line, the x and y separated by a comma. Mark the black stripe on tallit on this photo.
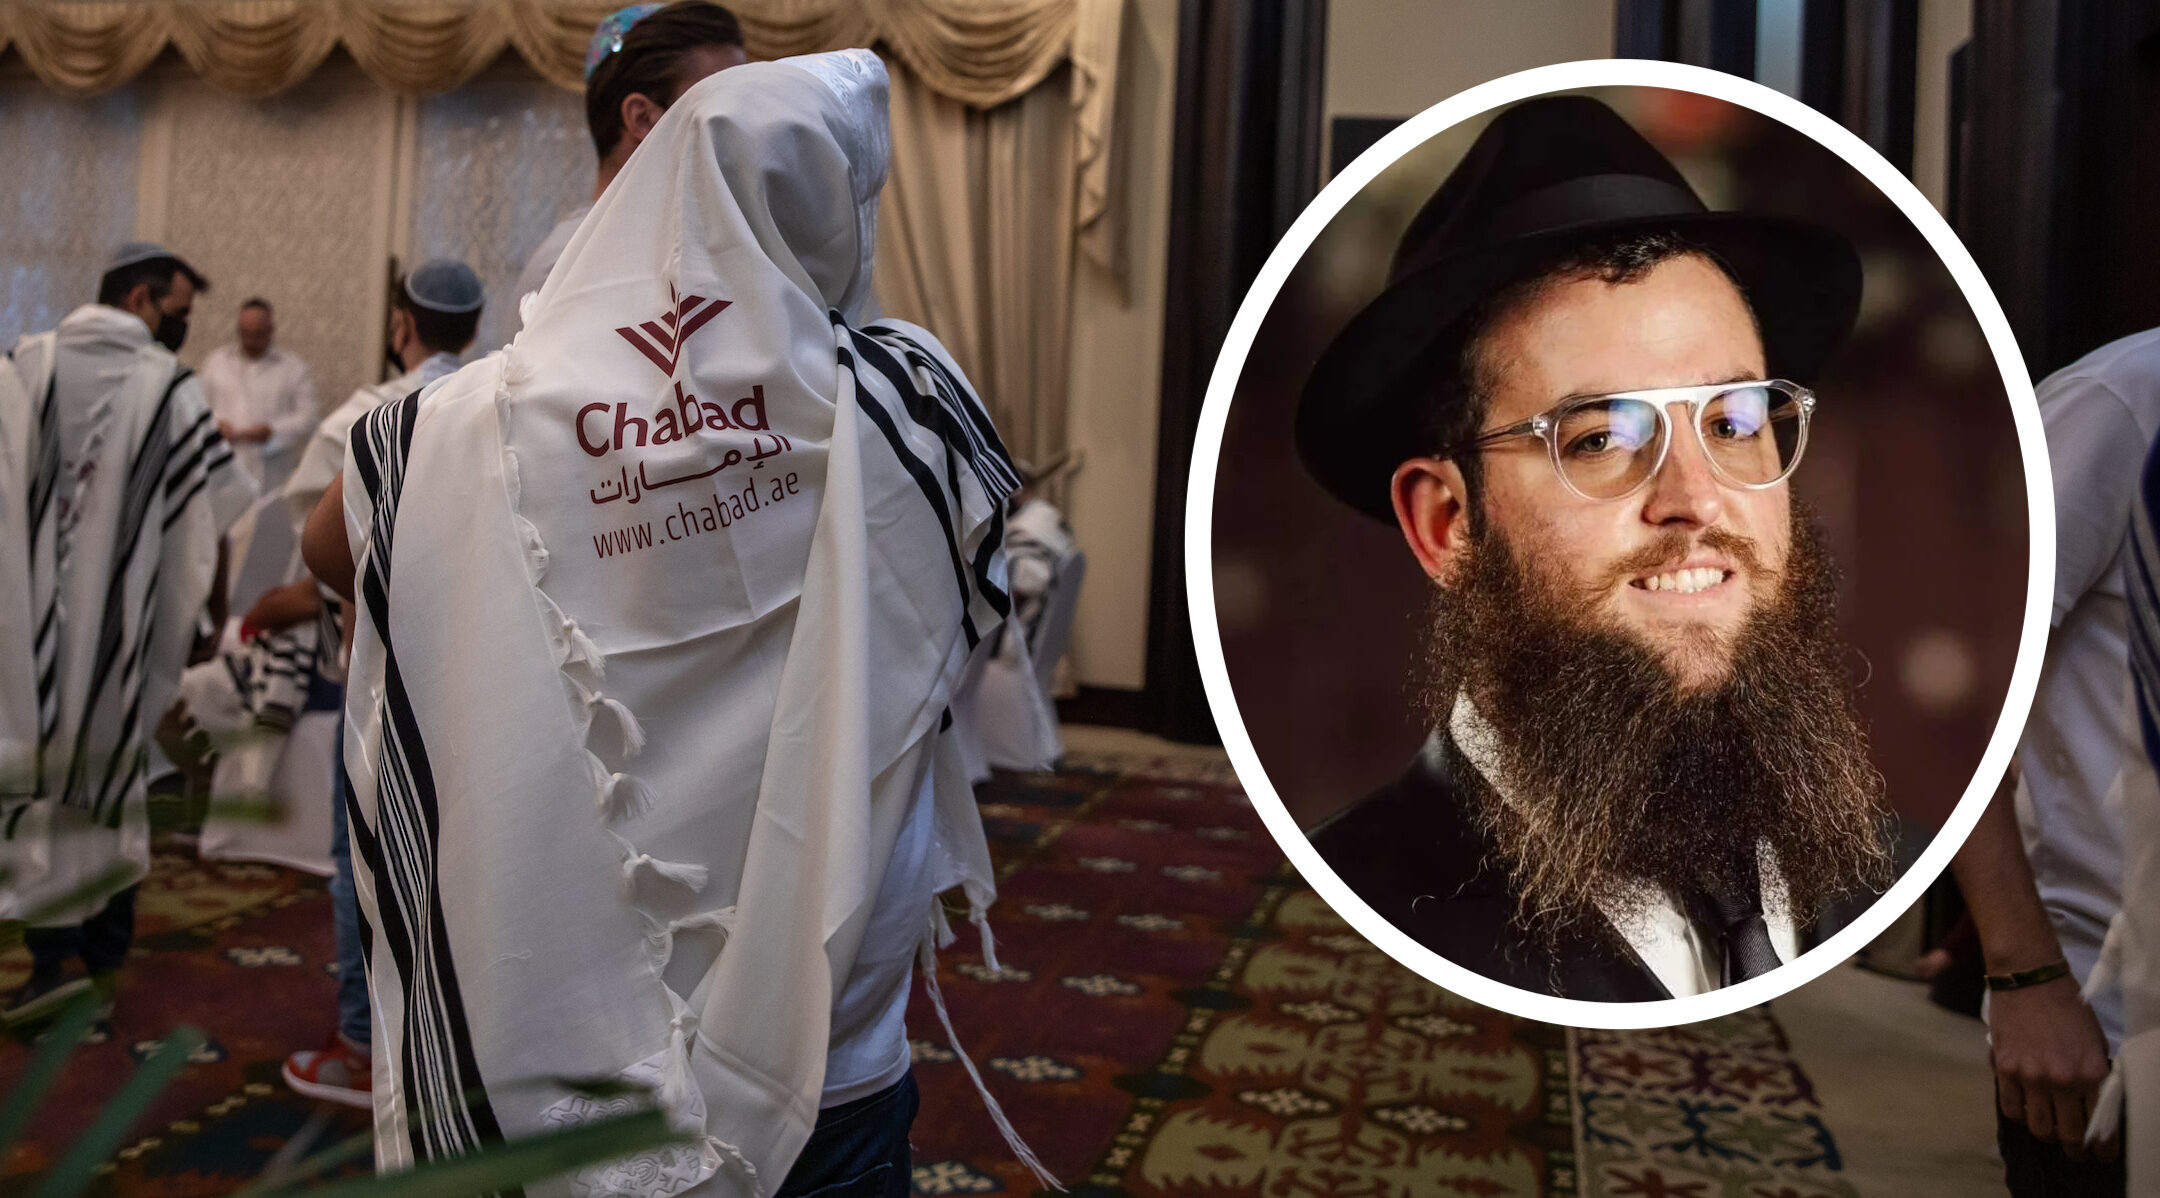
<point>131,680</point>
<point>45,647</point>
<point>209,454</point>
<point>935,418</point>
<point>380,445</point>
<point>442,1079</point>
<point>935,415</point>
<point>178,510</point>
<point>371,852</point>
<point>991,542</point>
<point>993,464</point>
<point>45,471</point>
<point>928,484</point>
<point>46,625</point>
<point>192,445</point>
<point>145,473</point>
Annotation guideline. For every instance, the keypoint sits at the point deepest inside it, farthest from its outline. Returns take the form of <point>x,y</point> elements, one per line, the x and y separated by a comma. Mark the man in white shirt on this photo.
<point>2043,875</point>
<point>263,397</point>
<point>1646,778</point>
<point>641,60</point>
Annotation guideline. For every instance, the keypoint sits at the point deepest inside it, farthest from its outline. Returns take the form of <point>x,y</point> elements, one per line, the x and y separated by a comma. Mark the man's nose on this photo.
<point>1684,491</point>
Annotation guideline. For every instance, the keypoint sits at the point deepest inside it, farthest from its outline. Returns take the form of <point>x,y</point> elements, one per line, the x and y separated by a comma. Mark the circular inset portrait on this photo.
<point>1612,544</point>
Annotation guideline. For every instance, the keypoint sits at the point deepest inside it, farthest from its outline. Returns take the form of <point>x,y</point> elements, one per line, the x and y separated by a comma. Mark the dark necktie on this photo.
<point>1737,918</point>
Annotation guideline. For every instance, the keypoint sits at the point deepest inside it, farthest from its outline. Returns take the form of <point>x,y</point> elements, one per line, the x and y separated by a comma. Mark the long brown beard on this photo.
<point>1621,783</point>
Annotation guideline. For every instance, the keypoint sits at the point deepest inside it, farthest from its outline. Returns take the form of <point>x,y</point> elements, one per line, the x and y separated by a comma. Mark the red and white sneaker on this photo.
<point>337,1072</point>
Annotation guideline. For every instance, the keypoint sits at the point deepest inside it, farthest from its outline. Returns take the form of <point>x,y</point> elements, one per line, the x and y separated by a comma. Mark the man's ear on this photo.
<point>640,113</point>
<point>141,302</point>
<point>1432,507</point>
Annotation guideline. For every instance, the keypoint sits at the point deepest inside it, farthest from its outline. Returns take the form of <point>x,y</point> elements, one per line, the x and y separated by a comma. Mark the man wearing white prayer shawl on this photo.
<point>435,310</point>
<point>660,611</point>
<point>115,491</point>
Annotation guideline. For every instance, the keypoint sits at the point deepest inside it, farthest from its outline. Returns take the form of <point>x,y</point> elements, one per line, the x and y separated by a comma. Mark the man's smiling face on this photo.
<point>1681,563</point>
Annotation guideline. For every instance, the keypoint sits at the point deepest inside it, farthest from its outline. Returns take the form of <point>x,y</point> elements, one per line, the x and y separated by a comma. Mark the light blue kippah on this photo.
<point>138,251</point>
<point>441,285</point>
<point>607,38</point>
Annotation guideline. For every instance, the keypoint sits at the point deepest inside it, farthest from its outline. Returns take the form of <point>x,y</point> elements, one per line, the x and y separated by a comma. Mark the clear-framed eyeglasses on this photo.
<point>1606,447</point>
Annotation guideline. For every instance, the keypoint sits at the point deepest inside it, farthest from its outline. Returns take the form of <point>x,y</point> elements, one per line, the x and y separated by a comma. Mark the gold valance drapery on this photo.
<point>979,52</point>
<point>982,53</point>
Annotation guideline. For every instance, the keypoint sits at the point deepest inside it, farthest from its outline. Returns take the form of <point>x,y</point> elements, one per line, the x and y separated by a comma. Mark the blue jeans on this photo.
<point>859,1149</point>
<point>352,995</point>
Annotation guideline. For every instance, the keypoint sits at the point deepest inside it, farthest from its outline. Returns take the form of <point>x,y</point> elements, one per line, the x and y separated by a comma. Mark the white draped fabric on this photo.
<point>114,491</point>
<point>324,457</point>
<point>661,609</point>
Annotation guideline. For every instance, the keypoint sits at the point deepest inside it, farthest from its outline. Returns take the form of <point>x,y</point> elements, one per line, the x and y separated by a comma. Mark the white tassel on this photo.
<point>729,1152</point>
<point>2105,1122</point>
<point>582,649</point>
<point>675,1079</point>
<point>997,1113</point>
<point>633,733</point>
<point>659,947</point>
<point>692,876</point>
<point>624,796</point>
<point>981,919</point>
<point>574,646</point>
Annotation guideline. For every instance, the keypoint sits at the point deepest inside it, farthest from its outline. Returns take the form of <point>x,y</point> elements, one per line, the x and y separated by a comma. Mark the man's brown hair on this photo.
<point>650,62</point>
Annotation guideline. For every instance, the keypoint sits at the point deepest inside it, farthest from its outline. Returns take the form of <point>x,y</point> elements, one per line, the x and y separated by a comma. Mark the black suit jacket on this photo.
<point>1412,851</point>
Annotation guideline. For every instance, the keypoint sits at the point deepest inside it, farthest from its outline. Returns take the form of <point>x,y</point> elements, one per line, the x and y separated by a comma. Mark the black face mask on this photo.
<point>171,331</point>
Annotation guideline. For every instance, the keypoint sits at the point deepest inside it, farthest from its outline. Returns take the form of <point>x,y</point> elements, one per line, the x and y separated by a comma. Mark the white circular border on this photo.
<point>1200,571</point>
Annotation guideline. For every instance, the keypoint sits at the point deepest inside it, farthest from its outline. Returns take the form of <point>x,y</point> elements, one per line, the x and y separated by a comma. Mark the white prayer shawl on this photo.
<point>246,699</point>
<point>781,535</point>
<point>324,457</point>
<point>114,490</point>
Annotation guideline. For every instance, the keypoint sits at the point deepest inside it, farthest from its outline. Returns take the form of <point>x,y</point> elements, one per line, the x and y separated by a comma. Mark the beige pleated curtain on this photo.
<point>1002,114</point>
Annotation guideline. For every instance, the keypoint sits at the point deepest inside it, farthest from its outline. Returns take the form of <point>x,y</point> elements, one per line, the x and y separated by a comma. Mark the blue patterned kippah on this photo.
<point>607,37</point>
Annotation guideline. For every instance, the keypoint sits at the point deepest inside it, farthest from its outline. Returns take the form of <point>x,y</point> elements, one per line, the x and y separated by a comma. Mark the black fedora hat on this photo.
<point>1544,175</point>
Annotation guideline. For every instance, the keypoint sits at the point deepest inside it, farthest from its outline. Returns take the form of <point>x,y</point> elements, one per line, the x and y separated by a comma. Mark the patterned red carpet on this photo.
<point>1175,1015</point>
<point>240,951</point>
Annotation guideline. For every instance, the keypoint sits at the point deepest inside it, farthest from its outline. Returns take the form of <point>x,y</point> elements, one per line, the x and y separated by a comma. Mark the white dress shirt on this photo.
<point>544,258</point>
<point>1668,942</point>
<point>2080,762</point>
<point>274,389</point>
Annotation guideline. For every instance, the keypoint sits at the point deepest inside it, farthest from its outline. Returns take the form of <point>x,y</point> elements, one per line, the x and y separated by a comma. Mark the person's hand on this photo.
<point>243,434</point>
<point>2050,1058</point>
<point>280,608</point>
<point>1930,964</point>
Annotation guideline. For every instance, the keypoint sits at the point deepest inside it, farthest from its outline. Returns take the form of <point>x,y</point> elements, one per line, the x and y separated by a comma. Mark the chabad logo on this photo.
<point>662,340</point>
